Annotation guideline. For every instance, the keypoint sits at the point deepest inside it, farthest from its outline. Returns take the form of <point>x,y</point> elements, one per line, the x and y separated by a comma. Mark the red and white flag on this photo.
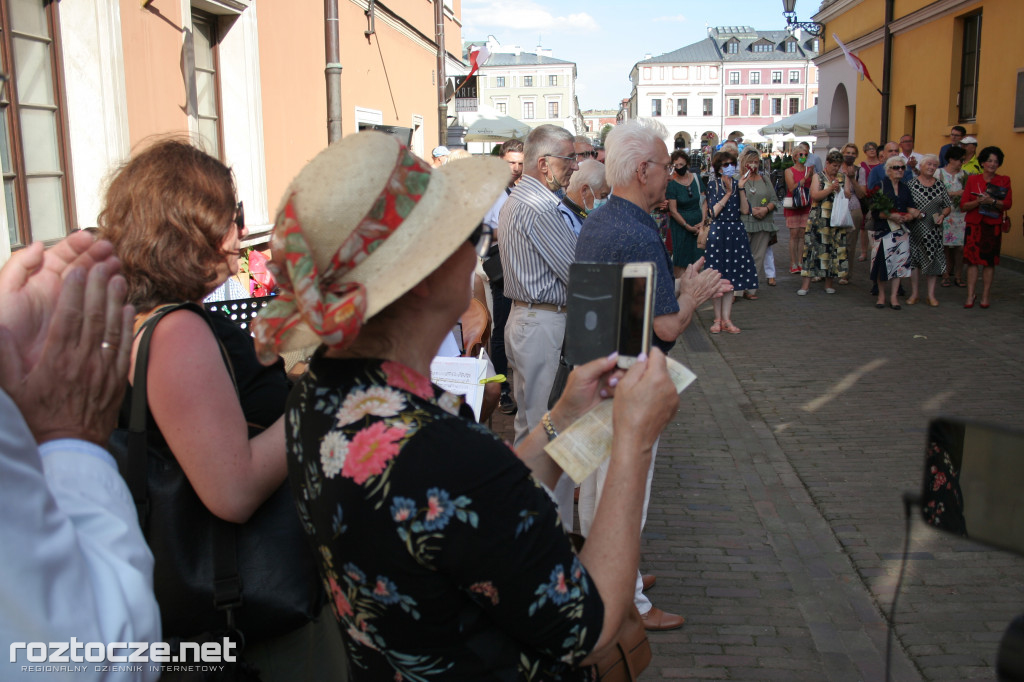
<point>478,56</point>
<point>854,61</point>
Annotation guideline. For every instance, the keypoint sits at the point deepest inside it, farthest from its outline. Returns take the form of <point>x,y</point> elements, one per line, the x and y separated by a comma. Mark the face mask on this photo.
<point>848,160</point>
<point>553,185</point>
<point>729,170</point>
<point>801,158</point>
<point>598,203</point>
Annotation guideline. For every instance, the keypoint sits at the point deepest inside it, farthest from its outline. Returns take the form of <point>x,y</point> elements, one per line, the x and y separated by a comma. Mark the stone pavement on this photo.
<point>776,524</point>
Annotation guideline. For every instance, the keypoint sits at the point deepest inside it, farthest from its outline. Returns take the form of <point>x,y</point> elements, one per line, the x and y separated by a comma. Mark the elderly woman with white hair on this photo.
<point>441,553</point>
<point>926,254</point>
<point>587,191</point>
<point>892,208</point>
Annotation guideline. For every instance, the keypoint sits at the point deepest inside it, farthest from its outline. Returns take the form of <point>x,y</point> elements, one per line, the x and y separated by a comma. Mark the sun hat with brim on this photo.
<point>360,225</point>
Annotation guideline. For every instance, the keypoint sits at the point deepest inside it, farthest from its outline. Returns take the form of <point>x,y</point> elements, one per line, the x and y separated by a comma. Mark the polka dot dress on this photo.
<point>728,248</point>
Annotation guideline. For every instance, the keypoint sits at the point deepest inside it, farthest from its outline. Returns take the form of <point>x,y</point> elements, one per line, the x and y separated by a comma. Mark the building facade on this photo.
<point>532,87</point>
<point>734,81</point>
<point>973,76</point>
<point>93,80</point>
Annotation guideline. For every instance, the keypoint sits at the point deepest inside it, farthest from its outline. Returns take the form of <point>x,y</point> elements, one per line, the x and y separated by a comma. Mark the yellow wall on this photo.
<point>926,74</point>
<point>155,89</point>
<point>294,89</point>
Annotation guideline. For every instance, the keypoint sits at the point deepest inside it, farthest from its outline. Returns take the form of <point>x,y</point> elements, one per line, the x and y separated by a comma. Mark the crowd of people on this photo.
<point>430,547</point>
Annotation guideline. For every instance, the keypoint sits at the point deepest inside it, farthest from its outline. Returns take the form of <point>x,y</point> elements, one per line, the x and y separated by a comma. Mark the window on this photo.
<point>969,65</point>
<point>709,106</point>
<point>755,77</point>
<point>527,81</point>
<point>677,73</point>
<point>794,105</point>
<point>500,81</point>
<point>681,107</point>
<point>734,78</point>
<point>501,107</point>
<point>755,107</point>
<point>734,107</point>
<point>815,45</point>
<point>527,109</point>
<point>732,47</point>
<point>763,47</point>
<point>815,100</point>
<point>205,38</point>
<point>776,77</point>
<point>685,72</point>
<point>655,107</point>
<point>794,76</point>
<point>776,106</point>
<point>790,46</point>
<point>33,153</point>
<point>647,73</point>
<point>552,109</point>
<point>553,81</point>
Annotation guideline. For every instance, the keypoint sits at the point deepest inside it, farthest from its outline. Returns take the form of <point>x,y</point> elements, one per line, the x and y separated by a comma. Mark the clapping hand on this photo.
<point>701,285</point>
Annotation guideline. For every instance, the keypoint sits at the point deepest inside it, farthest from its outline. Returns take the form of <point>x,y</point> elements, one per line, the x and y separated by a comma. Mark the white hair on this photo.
<point>929,157</point>
<point>893,160</point>
<point>628,146</point>
<point>591,174</point>
<point>544,140</point>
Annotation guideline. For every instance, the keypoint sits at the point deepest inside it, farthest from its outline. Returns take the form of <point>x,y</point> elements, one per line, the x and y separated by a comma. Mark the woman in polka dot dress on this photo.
<point>728,248</point>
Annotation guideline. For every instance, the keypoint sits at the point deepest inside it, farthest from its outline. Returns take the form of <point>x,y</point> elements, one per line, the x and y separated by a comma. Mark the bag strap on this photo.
<point>227,584</point>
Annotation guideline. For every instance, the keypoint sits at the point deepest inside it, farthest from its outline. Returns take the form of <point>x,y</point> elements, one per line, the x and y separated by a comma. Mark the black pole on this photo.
<point>886,72</point>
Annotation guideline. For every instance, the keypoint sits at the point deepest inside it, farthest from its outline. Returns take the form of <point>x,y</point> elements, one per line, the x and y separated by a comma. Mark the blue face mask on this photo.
<point>729,170</point>
<point>598,203</point>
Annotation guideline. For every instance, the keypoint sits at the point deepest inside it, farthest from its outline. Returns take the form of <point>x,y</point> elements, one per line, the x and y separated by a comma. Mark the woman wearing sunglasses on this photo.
<point>797,175</point>
<point>892,259</point>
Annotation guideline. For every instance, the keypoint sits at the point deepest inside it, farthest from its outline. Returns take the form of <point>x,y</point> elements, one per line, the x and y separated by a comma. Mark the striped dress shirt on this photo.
<point>536,245</point>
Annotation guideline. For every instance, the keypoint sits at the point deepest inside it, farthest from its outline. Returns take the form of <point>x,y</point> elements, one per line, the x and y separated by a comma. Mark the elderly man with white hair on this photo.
<point>622,231</point>
<point>587,190</point>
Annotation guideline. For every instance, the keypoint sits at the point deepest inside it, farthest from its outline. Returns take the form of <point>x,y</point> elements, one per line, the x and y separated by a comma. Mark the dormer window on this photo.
<point>732,46</point>
<point>762,45</point>
<point>791,45</point>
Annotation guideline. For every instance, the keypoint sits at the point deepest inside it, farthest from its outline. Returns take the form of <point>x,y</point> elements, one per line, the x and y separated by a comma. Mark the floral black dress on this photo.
<point>442,557</point>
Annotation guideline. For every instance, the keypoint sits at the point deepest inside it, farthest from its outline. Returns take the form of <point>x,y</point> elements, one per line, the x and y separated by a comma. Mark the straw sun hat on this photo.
<point>363,223</point>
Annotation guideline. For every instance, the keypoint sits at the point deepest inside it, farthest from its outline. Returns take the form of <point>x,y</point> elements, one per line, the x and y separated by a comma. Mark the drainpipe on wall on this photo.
<point>886,71</point>
<point>442,105</point>
<point>332,70</point>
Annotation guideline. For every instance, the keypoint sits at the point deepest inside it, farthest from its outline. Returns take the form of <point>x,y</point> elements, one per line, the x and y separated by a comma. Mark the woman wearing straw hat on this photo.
<point>171,214</point>
<point>442,553</point>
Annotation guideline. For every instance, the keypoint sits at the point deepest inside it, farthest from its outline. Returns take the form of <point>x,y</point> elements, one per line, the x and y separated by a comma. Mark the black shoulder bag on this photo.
<point>257,578</point>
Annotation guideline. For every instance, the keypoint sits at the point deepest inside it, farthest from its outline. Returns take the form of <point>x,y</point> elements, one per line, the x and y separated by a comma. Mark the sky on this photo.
<point>607,37</point>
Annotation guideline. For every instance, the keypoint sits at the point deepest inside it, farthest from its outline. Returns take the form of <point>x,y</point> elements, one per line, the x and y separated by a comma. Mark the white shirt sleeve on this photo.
<point>75,561</point>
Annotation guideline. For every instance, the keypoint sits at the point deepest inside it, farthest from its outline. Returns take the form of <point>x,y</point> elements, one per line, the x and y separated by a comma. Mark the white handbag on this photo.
<point>841,216</point>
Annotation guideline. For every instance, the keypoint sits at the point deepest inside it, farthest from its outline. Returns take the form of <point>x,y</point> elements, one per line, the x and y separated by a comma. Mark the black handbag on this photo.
<point>257,578</point>
<point>492,265</point>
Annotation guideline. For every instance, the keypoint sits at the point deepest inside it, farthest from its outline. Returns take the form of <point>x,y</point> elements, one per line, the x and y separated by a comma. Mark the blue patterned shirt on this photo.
<point>622,232</point>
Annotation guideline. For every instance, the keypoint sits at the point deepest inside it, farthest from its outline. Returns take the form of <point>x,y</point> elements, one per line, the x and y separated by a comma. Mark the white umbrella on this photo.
<point>487,125</point>
<point>754,138</point>
<point>799,124</point>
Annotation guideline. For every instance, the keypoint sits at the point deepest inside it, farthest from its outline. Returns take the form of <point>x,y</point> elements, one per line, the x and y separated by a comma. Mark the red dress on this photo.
<point>984,234</point>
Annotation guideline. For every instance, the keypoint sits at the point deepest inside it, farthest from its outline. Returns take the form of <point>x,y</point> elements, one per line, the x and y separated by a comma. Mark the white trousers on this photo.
<point>533,342</point>
<point>590,497</point>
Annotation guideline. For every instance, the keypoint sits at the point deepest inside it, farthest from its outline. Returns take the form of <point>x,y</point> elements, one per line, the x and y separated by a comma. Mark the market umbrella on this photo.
<point>488,125</point>
<point>799,123</point>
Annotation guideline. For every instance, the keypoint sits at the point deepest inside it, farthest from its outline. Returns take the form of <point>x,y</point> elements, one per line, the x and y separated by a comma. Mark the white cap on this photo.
<point>969,140</point>
<point>440,151</point>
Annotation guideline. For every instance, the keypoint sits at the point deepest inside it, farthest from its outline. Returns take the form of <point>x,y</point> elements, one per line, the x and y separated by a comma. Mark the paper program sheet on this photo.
<point>461,376</point>
<point>581,448</point>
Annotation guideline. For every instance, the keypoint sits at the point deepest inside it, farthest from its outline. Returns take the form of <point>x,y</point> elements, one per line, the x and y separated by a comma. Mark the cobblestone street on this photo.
<point>776,524</point>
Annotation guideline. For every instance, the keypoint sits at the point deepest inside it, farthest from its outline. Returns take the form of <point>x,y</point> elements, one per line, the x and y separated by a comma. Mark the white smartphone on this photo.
<point>637,302</point>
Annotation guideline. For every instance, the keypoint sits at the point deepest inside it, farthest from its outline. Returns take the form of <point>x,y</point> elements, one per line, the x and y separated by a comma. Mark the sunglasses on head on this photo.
<point>481,239</point>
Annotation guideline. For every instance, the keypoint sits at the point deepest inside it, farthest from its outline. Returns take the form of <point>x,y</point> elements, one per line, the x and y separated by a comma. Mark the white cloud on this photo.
<point>678,17</point>
<point>520,15</point>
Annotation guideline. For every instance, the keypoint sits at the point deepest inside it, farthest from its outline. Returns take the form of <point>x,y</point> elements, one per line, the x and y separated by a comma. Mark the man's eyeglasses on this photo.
<point>667,166</point>
<point>481,239</point>
<point>899,168</point>
<point>570,159</point>
<point>240,216</point>
<point>583,156</point>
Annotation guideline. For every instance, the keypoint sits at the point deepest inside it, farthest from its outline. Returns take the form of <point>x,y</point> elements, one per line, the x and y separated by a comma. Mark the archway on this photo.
<point>839,116</point>
<point>709,139</point>
<point>681,140</point>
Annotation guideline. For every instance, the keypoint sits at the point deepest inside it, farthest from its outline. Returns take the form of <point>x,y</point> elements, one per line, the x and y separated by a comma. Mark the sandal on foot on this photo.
<point>771,281</point>
<point>728,326</point>
<point>843,280</point>
<point>946,282</point>
<point>749,296</point>
<point>716,327</point>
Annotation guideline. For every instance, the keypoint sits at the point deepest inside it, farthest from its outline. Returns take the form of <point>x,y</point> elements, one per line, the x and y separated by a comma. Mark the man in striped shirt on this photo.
<point>536,249</point>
